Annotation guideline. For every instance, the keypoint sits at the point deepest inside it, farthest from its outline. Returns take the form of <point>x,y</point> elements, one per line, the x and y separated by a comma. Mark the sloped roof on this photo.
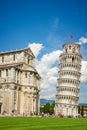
<point>20,50</point>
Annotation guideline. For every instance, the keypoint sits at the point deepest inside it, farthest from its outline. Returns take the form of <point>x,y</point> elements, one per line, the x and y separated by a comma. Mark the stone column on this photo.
<point>15,99</point>
<point>12,76</point>
<point>34,104</point>
<point>28,105</point>
<point>31,103</point>
<point>37,104</point>
<point>19,77</point>
<point>21,102</point>
<point>11,99</point>
<point>2,97</point>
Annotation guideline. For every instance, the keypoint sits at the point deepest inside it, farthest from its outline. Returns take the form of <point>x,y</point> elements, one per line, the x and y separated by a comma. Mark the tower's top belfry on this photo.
<point>71,48</point>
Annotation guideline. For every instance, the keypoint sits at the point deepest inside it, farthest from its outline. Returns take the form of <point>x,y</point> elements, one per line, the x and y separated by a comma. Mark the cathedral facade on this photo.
<point>68,83</point>
<point>19,83</point>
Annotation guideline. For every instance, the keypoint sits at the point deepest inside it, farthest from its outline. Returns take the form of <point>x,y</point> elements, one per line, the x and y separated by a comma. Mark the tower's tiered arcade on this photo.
<point>68,81</point>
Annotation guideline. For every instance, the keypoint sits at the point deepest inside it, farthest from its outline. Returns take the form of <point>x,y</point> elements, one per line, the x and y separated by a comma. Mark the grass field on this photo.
<point>35,123</point>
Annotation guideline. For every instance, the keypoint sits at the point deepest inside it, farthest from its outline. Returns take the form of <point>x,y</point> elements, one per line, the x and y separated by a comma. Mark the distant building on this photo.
<point>67,97</point>
<point>85,111</point>
<point>19,82</point>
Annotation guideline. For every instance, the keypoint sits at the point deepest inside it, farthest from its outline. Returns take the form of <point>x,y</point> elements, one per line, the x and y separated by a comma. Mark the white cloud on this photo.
<point>49,59</point>
<point>49,73</point>
<point>82,40</point>
<point>36,48</point>
<point>84,71</point>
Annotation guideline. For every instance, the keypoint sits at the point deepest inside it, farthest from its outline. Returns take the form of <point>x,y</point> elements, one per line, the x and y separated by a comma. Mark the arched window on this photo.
<point>28,60</point>
<point>66,50</point>
<point>14,57</point>
<point>73,50</point>
<point>72,59</point>
<point>25,74</point>
<point>2,59</point>
<point>0,73</point>
<point>6,72</point>
<point>70,47</point>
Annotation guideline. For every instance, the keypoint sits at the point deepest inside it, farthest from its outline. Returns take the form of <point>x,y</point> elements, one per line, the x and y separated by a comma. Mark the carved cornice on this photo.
<point>67,104</point>
<point>59,96</point>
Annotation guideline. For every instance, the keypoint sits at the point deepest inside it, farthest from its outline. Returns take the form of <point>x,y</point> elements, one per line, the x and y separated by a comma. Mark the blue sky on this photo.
<point>47,24</point>
<point>42,21</point>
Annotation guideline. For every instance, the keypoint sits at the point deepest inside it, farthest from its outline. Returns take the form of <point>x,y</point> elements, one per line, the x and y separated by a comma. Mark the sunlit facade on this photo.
<point>19,83</point>
<point>68,83</point>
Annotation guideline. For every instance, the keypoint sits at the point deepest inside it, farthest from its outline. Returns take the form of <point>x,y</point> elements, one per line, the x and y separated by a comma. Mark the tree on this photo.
<point>79,109</point>
<point>82,111</point>
<point>52,107</point>
<point>48,108</point>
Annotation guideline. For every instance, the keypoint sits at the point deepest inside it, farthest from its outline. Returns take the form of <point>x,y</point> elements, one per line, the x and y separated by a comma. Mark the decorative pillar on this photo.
<point>37,103</point>
<point>11,99</point>
<point>12,75</point>
<point>21,102</point>
<point>31,103</point>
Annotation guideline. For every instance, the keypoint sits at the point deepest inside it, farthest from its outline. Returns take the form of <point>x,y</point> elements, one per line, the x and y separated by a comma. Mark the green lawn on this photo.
<point>36,123</point>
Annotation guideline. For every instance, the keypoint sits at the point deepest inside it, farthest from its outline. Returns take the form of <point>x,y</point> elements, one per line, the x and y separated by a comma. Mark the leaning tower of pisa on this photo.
<point>68,83</point>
